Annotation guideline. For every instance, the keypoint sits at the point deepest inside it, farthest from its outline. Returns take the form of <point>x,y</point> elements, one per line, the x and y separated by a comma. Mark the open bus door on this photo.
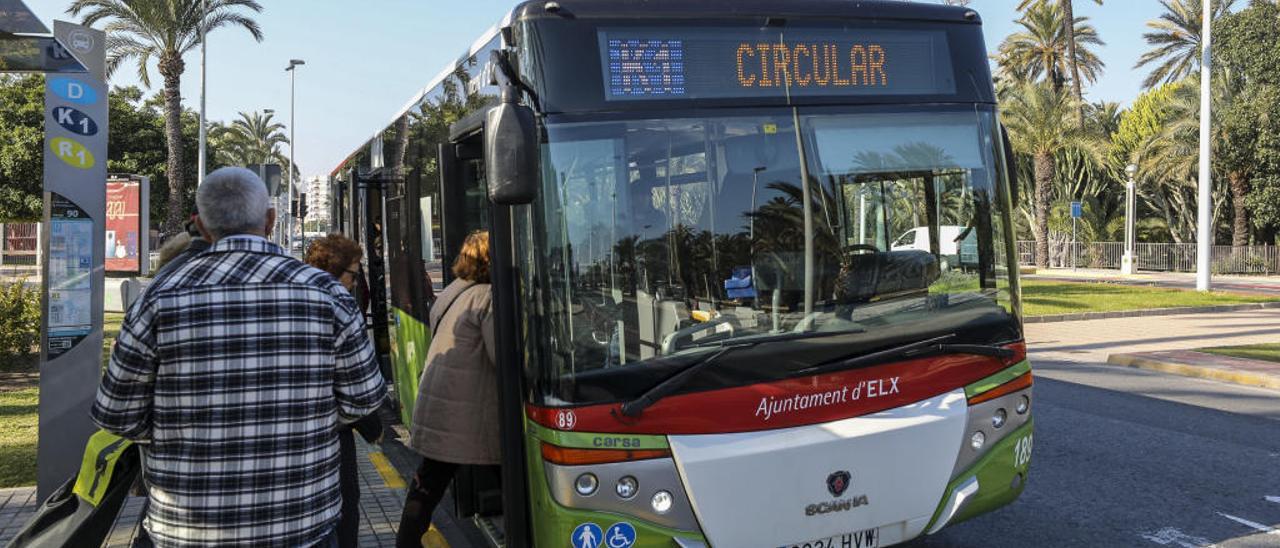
<point>493,496</point>
<point>367,228</point>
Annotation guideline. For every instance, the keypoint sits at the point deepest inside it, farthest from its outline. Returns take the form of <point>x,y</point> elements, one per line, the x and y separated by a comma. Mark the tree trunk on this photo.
<point>171,68</point>
<point>1043,162</point>
<point>1240,227</point>
<point>1069,16</point>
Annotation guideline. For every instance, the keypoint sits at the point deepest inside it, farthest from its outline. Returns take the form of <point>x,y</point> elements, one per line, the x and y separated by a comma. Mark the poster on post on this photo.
<point>125,236</point>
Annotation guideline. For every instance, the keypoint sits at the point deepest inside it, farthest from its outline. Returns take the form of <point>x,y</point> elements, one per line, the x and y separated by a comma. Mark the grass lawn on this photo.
<point>19,416</point>
<point>18,437</point>
<point>110,329</point>
<point>1040,298</point>
<point>1264,352</point>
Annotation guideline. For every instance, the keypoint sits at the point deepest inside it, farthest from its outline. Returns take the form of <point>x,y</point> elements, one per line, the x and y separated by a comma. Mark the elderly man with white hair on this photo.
<point>236,368</point>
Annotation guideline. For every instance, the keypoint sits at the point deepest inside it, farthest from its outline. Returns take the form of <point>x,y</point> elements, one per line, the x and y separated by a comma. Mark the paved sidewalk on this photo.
<point>17,505</point>
<point>381,498</point>
<point>1189,363</point>
<point>1250,285</point>
<point>1093,341</point>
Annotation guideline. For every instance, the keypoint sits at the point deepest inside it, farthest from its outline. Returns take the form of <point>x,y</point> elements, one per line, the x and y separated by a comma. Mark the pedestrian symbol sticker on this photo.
<point>620,535</point>
<point>587,535</point>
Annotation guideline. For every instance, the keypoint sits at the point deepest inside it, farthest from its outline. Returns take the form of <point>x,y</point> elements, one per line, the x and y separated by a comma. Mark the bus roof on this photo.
<point>898,10</point>
<point>533,9</point>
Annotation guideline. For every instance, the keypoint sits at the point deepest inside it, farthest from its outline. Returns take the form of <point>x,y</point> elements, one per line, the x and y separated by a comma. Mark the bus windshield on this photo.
<point>835,229</point>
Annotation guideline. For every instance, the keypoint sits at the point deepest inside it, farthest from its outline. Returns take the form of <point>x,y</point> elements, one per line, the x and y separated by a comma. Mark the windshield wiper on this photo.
<point>927,347</point>
<point>663,389</point>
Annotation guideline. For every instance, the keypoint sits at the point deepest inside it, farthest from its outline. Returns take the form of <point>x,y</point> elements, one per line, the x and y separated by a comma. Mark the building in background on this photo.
<point>317,219</point>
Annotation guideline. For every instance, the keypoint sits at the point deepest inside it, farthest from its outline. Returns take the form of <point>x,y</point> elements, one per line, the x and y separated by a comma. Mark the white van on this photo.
<point>953,252</point>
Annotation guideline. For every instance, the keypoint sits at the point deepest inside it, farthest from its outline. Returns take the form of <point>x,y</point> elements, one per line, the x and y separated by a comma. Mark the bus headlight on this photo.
<point>586,484</point>
<point>661,502</point>
<point>977,440</point>
<point>627,487</point>
<point>1024,404</point>
<point>998,418</point>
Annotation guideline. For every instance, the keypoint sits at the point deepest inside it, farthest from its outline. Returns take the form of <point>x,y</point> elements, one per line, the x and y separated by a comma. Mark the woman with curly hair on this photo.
<point>340,257</point>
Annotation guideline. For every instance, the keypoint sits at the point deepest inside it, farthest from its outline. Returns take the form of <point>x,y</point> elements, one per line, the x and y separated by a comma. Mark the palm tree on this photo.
<point>253,139</point>
<point>1039,119</point>
<point>1042,50</point>
<point>1073,40</point>
<point>1175,40</point>
<point>1174,152</point>
<point>164,30</point>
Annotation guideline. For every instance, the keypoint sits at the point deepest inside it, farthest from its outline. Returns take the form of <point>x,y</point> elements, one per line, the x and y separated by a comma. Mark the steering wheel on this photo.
<point>863,247</point>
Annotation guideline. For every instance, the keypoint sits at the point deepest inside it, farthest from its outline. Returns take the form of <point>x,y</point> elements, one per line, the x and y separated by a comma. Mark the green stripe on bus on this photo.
<point>591,440</point>
<point>1017,370</point>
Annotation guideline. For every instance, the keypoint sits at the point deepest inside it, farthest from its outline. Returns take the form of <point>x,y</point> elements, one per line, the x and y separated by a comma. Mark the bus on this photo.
<point>705,336</point>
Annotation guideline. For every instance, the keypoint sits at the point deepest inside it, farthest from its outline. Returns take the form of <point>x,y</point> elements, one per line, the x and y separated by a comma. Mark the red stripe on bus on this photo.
<point>781,404</point>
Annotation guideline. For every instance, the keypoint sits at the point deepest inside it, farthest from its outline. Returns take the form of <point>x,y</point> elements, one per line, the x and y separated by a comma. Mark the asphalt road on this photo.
<point>1125,457</point>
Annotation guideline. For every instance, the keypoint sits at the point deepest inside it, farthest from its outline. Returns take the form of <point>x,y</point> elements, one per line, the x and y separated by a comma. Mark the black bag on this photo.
<point>82,511</point>
<point>868,276</point>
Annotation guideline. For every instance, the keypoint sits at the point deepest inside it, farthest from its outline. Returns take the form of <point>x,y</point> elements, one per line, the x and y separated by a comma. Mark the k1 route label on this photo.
<point>74,121</point>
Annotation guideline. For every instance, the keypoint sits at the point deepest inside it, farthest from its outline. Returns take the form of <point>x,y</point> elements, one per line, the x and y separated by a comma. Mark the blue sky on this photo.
<point>365,62</point>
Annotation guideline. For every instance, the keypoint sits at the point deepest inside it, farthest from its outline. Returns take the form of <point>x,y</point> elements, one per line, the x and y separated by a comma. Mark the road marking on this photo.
<point>1170,535</point>
<point>388,472</point>
<point>1272,499</point>
<point>1263,528</point>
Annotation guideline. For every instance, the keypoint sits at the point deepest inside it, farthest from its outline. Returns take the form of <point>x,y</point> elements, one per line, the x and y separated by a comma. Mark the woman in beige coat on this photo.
<point>455,419</point>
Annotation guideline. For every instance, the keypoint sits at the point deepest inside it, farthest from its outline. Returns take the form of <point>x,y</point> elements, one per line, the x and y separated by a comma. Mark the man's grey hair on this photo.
<point>233,200</point>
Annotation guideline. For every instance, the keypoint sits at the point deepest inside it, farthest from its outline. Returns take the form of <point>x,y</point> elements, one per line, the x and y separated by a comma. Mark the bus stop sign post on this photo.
<point>1077,211</point>
<point>75,183</point>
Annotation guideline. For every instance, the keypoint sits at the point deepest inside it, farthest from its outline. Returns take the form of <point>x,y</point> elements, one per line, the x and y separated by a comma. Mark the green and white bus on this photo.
<point>705,335</point>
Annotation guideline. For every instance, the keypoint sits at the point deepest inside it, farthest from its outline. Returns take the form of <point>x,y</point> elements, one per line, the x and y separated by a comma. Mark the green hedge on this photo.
<point>19,320</point>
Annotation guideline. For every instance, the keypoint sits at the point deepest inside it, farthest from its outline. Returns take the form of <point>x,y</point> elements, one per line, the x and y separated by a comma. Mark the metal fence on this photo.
<point>19,250</point>
<point>1225,259</point>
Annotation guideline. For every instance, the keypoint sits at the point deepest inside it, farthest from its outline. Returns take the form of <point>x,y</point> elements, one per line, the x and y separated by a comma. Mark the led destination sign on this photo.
<point>647,64</point>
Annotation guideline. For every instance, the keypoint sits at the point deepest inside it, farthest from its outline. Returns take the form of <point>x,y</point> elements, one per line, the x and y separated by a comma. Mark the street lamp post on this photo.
<point>202,160</point>
<point>275,200</point>
<point>1128,264</point>
<point>1204,230</point>
<point>288,227</point>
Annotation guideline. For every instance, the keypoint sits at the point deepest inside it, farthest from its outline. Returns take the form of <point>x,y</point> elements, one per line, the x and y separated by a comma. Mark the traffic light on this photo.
<point>302,205</point>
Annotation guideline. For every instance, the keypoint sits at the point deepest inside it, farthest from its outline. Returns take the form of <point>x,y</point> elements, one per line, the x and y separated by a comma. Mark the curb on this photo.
<point>1188,370</point>
<point>1051,318</point>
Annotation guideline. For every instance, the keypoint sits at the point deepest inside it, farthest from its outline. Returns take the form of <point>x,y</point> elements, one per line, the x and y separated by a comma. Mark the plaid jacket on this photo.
<point>238,366</point>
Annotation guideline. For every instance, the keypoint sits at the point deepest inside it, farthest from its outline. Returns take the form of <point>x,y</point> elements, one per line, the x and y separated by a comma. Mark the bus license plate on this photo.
<point>868,538</point>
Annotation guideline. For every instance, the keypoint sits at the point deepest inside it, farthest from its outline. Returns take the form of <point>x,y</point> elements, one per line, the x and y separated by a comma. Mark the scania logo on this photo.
<point>842,505</point>
<point>837,482</point>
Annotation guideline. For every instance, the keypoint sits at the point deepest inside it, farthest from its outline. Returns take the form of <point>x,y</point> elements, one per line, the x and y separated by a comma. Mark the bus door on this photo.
<point>370,223</point>
<point>464,208</point>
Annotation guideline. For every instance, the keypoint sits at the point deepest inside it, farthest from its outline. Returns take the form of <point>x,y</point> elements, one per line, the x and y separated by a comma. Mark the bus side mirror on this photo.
<point>511,154</point>
<point>1010,165</point>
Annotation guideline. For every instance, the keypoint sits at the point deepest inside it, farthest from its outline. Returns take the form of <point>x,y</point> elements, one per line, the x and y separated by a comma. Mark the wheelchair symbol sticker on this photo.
<point>587,535</point>
<point>620,535</point>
